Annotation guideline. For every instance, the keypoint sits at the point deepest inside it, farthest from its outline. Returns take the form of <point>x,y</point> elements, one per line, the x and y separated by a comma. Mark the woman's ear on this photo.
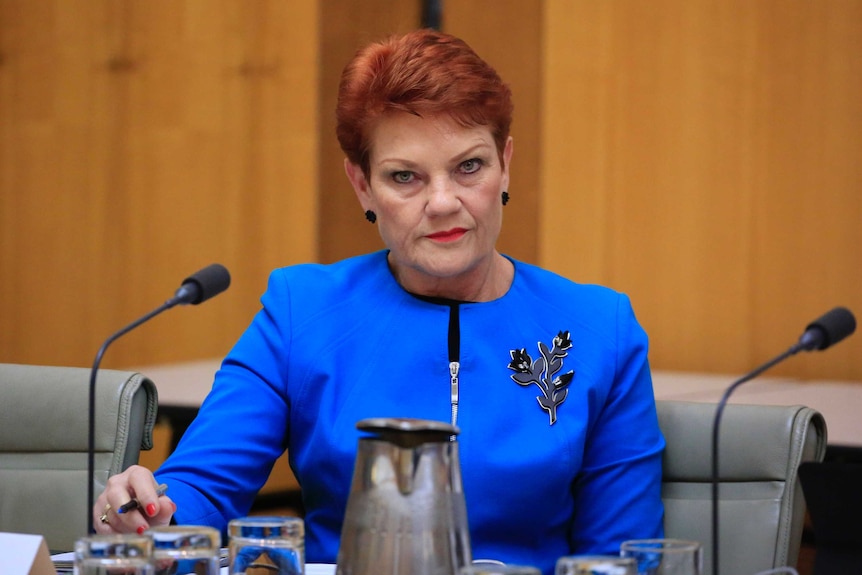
<point>507,160</point>
<point>359,183</point>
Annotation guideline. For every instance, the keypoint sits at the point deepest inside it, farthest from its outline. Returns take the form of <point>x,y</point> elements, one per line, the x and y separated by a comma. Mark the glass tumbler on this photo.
<point>596,565</point>
<point>489,568</point>
<point>664,556</point>
<point>185,549</point>
<point>267,545</point>
<point>114,555</point>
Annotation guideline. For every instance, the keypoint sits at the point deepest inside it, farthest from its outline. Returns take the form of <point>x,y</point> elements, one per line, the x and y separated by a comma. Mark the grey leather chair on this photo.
<point>43,444</point>
<point>761,504</point>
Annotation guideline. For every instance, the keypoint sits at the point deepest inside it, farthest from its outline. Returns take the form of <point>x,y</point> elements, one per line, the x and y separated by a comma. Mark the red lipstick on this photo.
<point>447,235</point>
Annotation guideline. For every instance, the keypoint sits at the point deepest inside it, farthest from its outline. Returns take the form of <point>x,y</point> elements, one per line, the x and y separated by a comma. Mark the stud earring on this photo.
<point>505,197</point>
<point>370,216</point>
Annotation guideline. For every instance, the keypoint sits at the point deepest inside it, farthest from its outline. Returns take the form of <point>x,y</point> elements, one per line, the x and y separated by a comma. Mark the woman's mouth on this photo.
<point>447,235</point>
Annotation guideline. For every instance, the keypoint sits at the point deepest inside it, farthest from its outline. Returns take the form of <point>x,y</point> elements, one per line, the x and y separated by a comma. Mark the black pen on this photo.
<point>135,504</point>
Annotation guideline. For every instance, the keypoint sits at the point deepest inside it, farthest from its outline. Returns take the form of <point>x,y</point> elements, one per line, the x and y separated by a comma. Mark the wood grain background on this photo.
<point>704,156</point>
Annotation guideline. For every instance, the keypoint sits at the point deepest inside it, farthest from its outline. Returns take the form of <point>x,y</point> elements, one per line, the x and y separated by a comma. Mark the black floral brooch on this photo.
<point>543,372</point>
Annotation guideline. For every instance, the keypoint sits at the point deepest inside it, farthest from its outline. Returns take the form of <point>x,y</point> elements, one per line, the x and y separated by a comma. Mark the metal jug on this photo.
<point>406,512</point>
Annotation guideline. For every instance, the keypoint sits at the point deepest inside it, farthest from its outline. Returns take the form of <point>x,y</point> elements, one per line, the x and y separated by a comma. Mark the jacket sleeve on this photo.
<point>618,491</point>
<point>227,453</point>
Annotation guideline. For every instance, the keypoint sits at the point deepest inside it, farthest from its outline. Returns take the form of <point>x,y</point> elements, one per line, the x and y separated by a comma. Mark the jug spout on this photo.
<point>406,511</point>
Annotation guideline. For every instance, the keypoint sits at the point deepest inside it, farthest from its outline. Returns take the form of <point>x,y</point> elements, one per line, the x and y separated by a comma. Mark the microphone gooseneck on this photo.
<point>197,288</point>
<point>827,330</point>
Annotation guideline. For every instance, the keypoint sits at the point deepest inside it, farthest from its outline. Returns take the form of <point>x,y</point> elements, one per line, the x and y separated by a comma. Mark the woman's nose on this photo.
<point>443,196</point>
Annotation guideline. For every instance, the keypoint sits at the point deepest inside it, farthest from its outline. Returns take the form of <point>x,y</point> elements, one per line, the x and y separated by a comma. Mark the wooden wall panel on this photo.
<point>704,157</point>
<point>142,140</point>
<point>515,52</point>
<point>345,26</point>
<point>807,237</point>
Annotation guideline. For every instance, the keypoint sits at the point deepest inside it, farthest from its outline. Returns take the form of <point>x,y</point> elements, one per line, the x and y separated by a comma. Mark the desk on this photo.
<point>701,387</point>
<point>840,402</point>
<point>182,384</point>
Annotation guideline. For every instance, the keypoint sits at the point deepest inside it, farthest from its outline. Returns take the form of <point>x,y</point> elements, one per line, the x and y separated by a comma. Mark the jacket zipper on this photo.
<point>454,359</point>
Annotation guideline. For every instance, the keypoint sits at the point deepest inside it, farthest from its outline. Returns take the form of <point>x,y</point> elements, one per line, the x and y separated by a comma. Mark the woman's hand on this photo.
<point>135,482</point>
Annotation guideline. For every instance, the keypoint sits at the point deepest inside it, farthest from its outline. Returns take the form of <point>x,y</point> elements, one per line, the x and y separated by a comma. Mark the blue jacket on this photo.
<point>334,344</point>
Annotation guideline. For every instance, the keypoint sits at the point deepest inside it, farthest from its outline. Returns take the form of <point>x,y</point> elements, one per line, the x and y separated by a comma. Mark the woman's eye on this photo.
<point>403,177</point>
<point>470,166</point>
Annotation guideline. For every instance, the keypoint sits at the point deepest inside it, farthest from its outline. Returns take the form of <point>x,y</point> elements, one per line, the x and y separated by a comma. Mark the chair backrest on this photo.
<point>761,505</point>
<point>44,434</point>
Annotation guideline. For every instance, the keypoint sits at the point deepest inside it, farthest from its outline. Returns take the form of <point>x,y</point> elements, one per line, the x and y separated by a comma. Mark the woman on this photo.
<point>548,380</point>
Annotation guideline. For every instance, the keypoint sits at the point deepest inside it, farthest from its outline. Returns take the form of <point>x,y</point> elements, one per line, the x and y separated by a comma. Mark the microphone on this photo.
<point>202,285</point>
<point>195,289</point>
<point>827,330</point>
<point>824,332</point>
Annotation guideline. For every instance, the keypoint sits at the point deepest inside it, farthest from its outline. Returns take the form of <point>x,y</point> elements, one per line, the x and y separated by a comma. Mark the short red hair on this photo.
<point>424,72</point>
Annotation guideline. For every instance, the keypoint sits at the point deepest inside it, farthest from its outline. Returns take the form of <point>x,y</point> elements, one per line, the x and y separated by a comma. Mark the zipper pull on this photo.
<point>454,366</point>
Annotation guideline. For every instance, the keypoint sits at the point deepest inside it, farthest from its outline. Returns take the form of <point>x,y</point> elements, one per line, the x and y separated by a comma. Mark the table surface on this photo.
<point>838,401</point>
<point>186,384</point>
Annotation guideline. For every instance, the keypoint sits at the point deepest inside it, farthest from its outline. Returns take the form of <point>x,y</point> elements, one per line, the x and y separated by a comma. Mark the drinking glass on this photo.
<point>267,545</point>
<point>596,565</point>
<point>185,549</point>
<point>664,556</point>
<point>497,568</point>
<point>114,555</point>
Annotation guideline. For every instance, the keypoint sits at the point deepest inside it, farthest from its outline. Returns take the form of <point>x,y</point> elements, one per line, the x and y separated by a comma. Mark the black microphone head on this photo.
<point>828,329</point>
<point>204,284</point>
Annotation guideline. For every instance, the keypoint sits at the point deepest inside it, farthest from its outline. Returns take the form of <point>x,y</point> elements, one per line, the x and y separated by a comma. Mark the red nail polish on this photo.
<point>141,530</point>
<point>151,509</point>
